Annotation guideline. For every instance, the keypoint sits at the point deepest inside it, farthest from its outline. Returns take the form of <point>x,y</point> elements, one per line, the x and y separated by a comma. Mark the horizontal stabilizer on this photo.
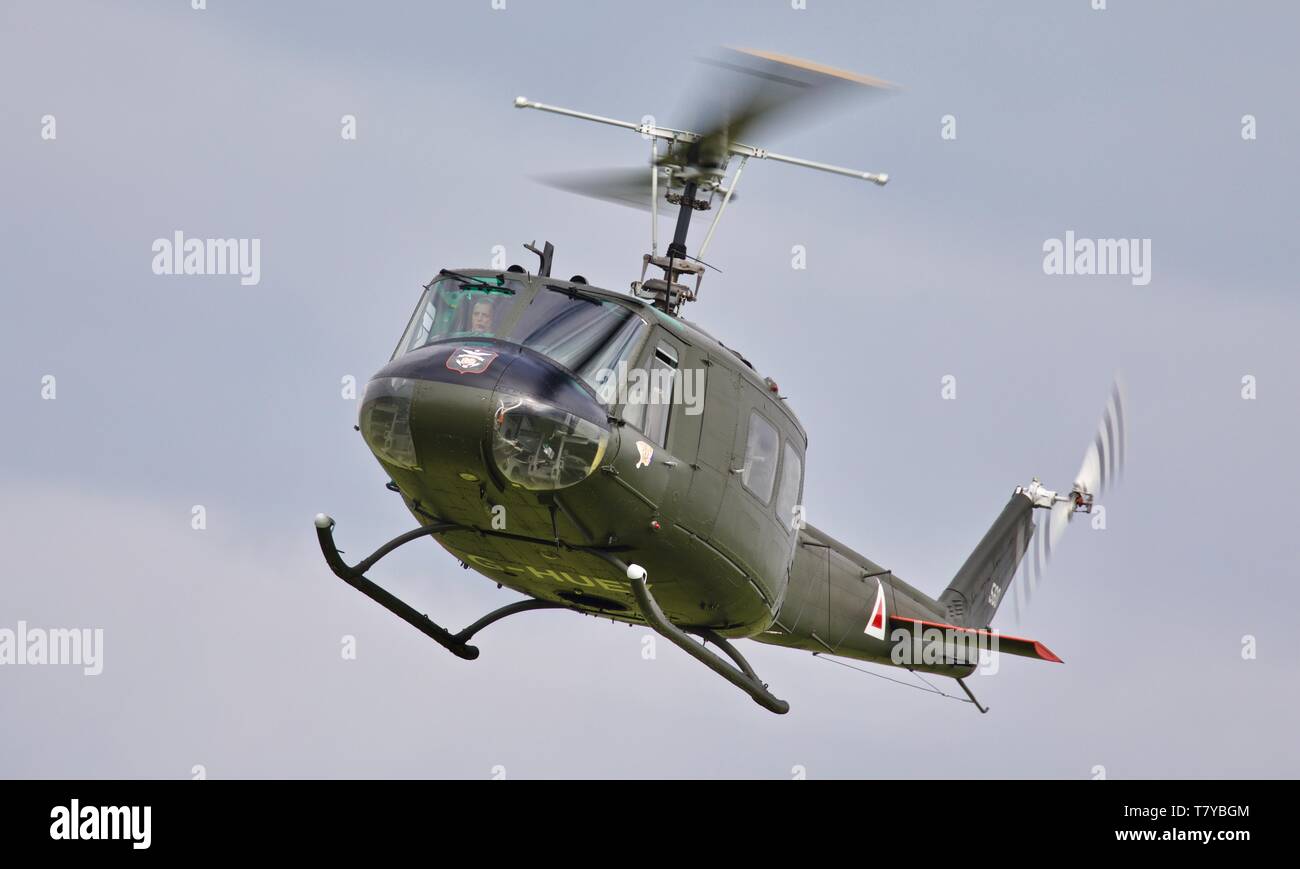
<point>976,637</point>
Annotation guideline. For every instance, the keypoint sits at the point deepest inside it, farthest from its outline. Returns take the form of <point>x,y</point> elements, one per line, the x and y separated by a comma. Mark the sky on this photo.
<point>222,647</point>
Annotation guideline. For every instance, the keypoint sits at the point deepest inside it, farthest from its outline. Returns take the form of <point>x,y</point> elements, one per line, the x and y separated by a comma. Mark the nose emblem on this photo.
<point>471,360</point>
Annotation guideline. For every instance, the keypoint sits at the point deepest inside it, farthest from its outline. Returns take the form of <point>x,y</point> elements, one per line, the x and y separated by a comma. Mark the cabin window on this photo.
<point>788,494</point>
<point>650,395</point>
<point>761,447</point>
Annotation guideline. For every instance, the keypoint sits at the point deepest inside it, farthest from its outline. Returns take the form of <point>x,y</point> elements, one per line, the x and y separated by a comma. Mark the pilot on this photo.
<point>480,320</point>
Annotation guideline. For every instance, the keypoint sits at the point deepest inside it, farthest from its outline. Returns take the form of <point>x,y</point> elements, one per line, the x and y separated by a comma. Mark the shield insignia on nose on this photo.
<point>470,360</point>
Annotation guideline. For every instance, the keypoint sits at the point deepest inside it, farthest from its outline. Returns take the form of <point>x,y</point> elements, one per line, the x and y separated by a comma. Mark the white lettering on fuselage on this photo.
<point>559,577</point>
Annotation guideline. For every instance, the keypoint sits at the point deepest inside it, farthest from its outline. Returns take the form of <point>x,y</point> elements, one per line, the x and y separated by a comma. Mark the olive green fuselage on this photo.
<point>718,555</point>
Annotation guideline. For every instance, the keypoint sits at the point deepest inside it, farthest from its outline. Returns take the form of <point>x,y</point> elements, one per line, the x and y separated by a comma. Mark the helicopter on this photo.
<point>598,452</point>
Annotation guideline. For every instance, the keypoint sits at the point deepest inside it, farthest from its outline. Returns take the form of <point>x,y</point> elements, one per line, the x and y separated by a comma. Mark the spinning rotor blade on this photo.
<point>753,88</point>
<point>1104,459</point>
<point>621,186</point>
<point>1102,464</point>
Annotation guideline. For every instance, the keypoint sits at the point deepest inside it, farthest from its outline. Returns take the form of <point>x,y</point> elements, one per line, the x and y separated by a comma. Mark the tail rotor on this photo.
<point>1103,464</point>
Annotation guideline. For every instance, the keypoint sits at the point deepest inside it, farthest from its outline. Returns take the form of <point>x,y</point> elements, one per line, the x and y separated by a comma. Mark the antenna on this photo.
<point>546,254</point>
<point>693,166</point>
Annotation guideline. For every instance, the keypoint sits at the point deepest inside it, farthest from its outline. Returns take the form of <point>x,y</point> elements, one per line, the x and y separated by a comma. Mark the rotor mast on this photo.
<point>697,164</point>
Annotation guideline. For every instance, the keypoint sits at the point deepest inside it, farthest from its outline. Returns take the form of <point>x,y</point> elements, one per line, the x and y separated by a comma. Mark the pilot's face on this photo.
<point>481,318</point>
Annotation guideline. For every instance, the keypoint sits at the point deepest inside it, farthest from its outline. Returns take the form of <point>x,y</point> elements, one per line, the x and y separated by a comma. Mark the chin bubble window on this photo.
<point>385,420</point>
<point>541,447</point>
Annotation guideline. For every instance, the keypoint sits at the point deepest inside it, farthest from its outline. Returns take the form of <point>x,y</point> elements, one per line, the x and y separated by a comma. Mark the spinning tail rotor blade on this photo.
<point>1103,462</point>
<point>1104,459</point>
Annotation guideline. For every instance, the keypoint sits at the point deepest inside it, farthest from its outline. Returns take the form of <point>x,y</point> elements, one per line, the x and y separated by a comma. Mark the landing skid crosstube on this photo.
<point>741,675</point>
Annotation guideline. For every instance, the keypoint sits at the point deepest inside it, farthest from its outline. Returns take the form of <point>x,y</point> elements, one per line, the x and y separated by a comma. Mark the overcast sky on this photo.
<point>222,646</point>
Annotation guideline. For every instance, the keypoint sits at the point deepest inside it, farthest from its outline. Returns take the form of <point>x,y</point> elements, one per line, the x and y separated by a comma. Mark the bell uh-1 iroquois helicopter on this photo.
<point>506,422</point>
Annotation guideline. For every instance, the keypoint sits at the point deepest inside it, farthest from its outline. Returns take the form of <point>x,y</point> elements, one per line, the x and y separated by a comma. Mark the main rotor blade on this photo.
<point>621,186</point>
<point>753,88</point>
<point>629,187</point>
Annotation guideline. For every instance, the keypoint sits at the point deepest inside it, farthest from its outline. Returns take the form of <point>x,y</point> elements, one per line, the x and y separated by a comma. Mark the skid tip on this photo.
<point>323,521</point>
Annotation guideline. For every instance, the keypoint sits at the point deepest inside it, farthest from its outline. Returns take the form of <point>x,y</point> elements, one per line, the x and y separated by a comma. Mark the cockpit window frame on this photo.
<point>528,288</point>
<point>545,291</point>
<point>521,291</point>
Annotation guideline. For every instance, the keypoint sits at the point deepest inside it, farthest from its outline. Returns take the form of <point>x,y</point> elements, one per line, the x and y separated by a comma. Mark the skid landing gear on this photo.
<point>741,675</point>
<point>457,644</point>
